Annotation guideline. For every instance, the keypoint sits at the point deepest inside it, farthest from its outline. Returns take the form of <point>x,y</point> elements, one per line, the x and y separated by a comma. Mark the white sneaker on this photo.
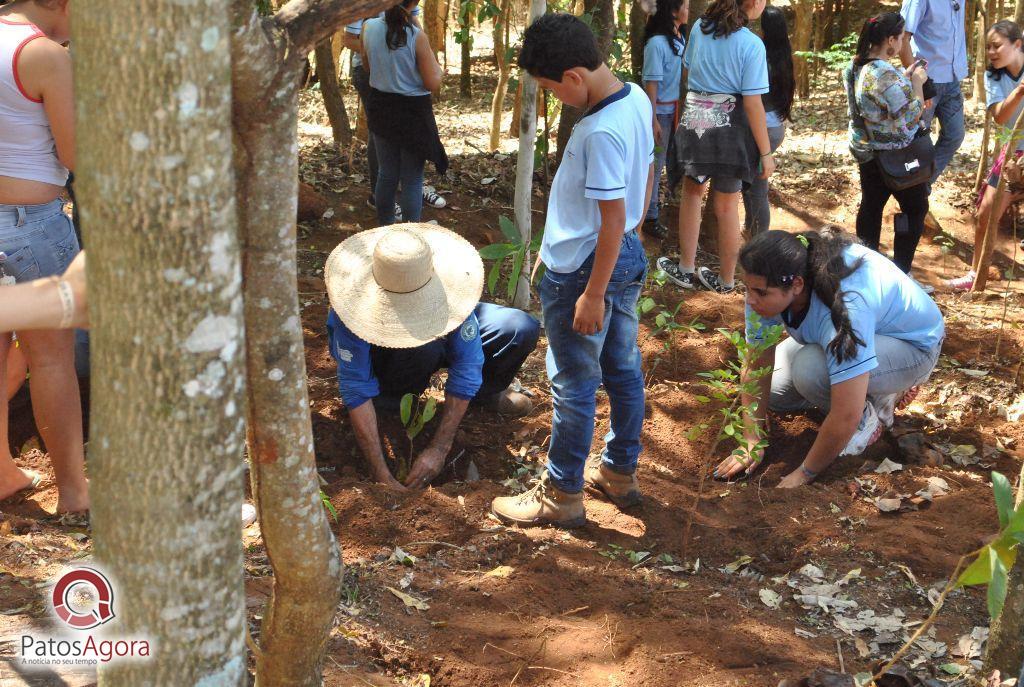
<point>868,431</point>
<point>248,514</point>
<point>432,198</point>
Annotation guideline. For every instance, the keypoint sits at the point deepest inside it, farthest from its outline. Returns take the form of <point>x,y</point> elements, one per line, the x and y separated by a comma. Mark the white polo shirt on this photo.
<point>608,156</point>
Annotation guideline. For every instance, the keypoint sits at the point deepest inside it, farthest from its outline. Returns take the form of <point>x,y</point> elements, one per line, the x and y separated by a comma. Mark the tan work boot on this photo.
<point>545,504</point>
<point>622,490</point>
<point>512,403</point>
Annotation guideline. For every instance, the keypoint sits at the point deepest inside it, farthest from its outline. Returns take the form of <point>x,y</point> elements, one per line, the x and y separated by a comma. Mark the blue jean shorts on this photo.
<point>36,240</point>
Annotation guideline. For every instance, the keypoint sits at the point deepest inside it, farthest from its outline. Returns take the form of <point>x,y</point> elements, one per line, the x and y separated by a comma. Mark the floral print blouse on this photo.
<point>881,99</point>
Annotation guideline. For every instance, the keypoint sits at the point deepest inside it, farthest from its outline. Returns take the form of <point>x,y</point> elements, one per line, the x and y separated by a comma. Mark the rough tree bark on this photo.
<point>330,89</point>
<point>804,11</point>
<point>517,108</point>
<point>498,101</point>
<point>156,198</point>
<point>523,202</point>
<point>267,58</point>
<point>602,17</point>
<point>1018,12</point>
<point>637,22</point>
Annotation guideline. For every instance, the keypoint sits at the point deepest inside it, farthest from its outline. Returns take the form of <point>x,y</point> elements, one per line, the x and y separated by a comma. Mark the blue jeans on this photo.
<point>578,365</point>
<point>948,108</point>
<point>397,164</point>
<point>36,240</point>
<point>507,336</point>
<point>666,121</point>
<point>757,212</point>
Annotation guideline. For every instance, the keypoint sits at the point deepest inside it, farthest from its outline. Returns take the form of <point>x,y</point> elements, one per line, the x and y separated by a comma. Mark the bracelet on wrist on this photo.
<point>767,154</point>
<point>809,474</point>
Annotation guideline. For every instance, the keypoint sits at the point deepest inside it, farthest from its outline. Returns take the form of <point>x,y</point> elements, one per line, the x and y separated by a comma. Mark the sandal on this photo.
<point>908,397</point>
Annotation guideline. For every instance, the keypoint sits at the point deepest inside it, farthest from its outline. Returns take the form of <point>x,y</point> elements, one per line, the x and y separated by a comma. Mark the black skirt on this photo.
<point>713,139</point>
<point>407,120</point>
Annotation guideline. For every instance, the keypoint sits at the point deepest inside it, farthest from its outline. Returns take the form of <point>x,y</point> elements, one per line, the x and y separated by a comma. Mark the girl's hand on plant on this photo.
<point>735,464</point>
<point>794,479</point>
<point>589,314</point>
<point>427,466</point>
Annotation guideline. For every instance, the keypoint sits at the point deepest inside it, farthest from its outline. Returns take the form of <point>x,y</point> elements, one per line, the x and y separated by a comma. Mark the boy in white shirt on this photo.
<point>595,271</point>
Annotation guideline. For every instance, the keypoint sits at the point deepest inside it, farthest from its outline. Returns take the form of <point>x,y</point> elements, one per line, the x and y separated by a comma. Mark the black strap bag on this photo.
<point>910,166</point>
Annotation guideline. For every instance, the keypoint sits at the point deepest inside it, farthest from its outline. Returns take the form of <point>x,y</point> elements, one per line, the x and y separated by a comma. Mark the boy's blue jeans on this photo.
<point>577,365</point>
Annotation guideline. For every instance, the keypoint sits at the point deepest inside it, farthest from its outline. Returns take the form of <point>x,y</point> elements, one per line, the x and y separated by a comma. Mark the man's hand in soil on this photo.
<point>425,468</point>
<point>387,480</point>
<point>589,314</point>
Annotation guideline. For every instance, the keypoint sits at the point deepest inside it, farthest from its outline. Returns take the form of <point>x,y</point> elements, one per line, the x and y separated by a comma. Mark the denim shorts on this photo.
<point>36,240</point>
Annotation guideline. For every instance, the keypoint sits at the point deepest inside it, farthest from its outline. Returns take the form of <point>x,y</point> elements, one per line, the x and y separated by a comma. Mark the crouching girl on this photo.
<point>862,336</point>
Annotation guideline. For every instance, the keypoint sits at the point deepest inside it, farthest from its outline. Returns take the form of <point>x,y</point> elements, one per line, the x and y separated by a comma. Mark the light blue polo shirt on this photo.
<point>663,63</point>
<point>938,28</point>
<point>608,156</point>
<point>392,71</point>
<point>998,90</point>
<point>880,299</point>
<point>732,64</point>
<point>356,28</point>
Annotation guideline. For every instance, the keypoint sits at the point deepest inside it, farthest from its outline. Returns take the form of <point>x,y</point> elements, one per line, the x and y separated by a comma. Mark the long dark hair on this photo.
<point>663,23</point>
<point>1011,32</point>
<point>723,18</point>
<point>397,19</point>
<point>875,32</point>
<point>779,52</point>
<point>817,256</point>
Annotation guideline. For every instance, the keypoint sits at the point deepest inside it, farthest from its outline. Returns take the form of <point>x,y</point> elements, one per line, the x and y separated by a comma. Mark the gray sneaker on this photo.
<point>684,280</point>
<point>712,282</point>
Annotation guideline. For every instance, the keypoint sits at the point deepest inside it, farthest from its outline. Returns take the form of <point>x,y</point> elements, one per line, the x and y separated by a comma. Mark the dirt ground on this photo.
<point>773,583</point>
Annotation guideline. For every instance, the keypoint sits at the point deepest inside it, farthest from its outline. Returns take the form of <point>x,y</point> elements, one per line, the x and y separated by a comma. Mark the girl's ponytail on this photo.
<point>827,268</point>
<point>396,19</point>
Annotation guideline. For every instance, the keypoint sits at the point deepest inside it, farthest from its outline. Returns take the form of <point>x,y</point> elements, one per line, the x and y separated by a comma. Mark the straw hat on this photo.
<point>404,285</point>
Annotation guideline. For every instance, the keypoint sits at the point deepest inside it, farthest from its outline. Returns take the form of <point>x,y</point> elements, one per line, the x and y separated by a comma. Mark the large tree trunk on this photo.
<point>498,102</point>
<point>637,22</point>
<point>330,89</point>
<point>602,14</point>
<point>157,203</point>
<point>1018,12</point>
<point>523,202</point>
<point>267,59</point>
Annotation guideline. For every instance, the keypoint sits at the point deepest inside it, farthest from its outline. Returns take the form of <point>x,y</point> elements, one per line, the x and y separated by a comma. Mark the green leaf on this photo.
<point>997,588</point>
<point>406,408</point>
<point>508,228</point>
<point>429,408</point>
<point>493,276</point>
<point>1004,498</point>
<point>702,399</point>
<point>496,251</point>
<point>517,270</point>
<point>980,571</point>
<point>729,430</point>
<point>328,505</point>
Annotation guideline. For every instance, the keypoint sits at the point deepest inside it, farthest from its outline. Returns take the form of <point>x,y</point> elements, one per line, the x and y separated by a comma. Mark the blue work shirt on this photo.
<point>880,299</point>
<point>938,28</point>
<point>663,64</point>
<point>357,383</point>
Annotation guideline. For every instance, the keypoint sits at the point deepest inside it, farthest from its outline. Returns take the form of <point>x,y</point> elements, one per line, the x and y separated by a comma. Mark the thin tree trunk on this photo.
<point>1005,650</point>
<point>1018,12</point>
<point>330,89</point>
<point>466,45</point>
<point>992,230</point>
<point>983,162</point>
<point>498,102</point>
<point>517,108</point>
<point>300,545</point>
<point>804,10</point>
<point>637,22</point>
<point>980,58</point>
<point>523,202</point>
<point>157,202</point>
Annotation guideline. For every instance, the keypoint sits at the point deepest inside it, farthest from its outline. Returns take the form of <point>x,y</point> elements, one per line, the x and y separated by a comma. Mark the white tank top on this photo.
<point>27,149</point>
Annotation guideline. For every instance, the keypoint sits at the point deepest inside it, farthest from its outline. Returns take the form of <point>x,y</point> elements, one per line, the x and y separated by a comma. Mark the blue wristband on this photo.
<point>809,474</point>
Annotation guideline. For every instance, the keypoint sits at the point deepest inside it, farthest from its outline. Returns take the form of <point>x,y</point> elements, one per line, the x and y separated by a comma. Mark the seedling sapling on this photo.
<point>413,421</point>
<point>514,247</point>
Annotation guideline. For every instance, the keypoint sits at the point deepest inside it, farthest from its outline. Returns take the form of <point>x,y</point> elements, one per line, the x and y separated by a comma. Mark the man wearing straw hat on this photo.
<point>404,304</point>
